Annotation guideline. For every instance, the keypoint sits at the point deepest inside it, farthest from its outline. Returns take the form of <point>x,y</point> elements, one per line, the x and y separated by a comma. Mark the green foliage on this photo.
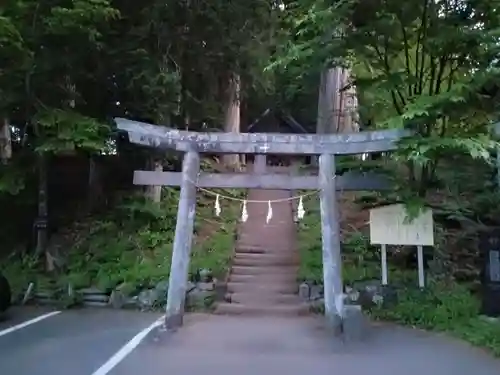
<point>422,65</point>
<point>423,151</point>
<point>13,57</point>
<point>64,130</point>
<point>11,179</point>
<point>66,67</point>
<point>358,255</point>
<point>80,19</point>
<point>9,37</point>
<point>309,239</point>
<point>447,307</point>
<point>177,57</point>
<point>20,271</point>
<point>440,306</point>
<point>214,246</point>
<point>215,253</point>
<point>132,245</point>
<point>481,332</point>
<point>444,305</point>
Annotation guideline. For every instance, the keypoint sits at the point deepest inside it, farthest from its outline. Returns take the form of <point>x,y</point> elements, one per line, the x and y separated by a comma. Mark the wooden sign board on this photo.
<point>388,226</point>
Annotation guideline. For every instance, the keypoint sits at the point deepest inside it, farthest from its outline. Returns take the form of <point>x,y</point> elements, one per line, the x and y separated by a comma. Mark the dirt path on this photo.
<point>262,280</point>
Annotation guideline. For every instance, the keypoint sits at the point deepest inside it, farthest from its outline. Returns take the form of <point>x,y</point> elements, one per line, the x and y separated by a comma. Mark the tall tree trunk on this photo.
<point>95,194</point>
<point>348,110</point>
<point>184,101</point>
<point>328,102</point>
<point>5,141</point>
<point>232,117</point>
<point>337,108</point>
<point>337,103</point>
<point>42,222</point>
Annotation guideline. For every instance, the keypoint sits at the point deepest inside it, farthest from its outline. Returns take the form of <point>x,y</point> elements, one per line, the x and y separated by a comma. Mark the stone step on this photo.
<point>250,270</point>
<point>253,298</point>
<point>264,260</point>
<point>258,249</point>
<point>267,278</point>
<point>278,238</point>
<point>235,287</point>
<point>250,249</point>
<point>249,233</point>
<point>261,310</point>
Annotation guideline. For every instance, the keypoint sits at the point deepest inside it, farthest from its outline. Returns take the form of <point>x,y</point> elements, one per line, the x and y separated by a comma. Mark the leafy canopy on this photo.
<point>427,65</point>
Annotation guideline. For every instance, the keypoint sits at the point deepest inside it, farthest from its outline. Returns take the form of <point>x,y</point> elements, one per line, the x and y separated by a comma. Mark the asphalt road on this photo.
<point>74,342</point>
<point>215,345</point>
<point>116,342</point>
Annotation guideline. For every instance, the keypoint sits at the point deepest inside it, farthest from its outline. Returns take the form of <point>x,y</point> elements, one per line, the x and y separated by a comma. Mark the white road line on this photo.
<point>27,323</point>
<point>126,349</point>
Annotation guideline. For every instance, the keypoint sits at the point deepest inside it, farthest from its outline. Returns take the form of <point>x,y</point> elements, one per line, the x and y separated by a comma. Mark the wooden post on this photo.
<point>295,166</point>
<point>156,191</point>
<point>420,261</point>
<point>260,163</point>
<point>383,263</point>
<point>295,171</point>
<point>182,241</point>
<point>330,230</point>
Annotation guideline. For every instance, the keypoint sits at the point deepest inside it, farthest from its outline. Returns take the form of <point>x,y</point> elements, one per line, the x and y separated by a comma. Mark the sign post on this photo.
<point>389,226</point>
<point>383,265</point>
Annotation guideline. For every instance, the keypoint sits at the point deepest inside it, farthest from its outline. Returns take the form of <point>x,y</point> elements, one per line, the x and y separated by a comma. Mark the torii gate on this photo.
<point>325,145</point>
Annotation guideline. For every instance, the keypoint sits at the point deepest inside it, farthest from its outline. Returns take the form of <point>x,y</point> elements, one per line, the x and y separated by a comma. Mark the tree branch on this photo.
<point>385,62</point>
<point>443,62</point>
<point>432,75</point>
<point>389,70</point>
<point>420,49</point>
<point>406,51</point>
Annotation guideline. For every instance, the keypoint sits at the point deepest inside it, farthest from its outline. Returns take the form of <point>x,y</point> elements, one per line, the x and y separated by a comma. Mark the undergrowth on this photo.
<point>132,245</point>
<point>444,305</point>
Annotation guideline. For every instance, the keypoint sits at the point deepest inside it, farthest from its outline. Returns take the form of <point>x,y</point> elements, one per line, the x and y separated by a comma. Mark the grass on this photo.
<point>213,246</point>
<point>359,258</point>
<point>443,306</point>
<point>131,245</point>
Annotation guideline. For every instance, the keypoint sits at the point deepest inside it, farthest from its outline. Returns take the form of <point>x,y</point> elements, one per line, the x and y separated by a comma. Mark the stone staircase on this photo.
<point>262,280</point>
